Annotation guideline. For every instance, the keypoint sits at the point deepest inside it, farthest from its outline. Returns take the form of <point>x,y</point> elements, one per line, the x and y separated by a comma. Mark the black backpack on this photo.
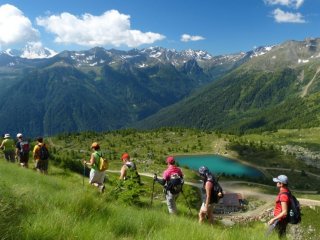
<point>43,153</point>
<point>294,210</point>
<point>215,191</point>
<point>175,184</point>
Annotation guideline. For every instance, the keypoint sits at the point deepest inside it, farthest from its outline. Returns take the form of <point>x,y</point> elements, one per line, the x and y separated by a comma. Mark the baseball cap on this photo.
<point>7,135</point>
<point>95,145</point>
<point>170,160</point>
<point>125,156</point>
<point>282,179</point>
<point>19,135</point>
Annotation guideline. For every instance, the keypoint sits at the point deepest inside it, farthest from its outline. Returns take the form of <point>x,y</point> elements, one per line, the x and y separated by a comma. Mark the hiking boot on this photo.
<point>102,188</point>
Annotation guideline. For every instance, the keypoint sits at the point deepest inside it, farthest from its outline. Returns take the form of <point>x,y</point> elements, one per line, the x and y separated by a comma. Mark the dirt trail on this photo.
<point>246,191</point>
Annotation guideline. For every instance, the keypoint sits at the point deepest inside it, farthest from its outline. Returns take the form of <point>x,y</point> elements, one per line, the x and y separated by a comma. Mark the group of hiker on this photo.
<point>19,151</point>
<point>211,191</point>
<point>171,180</point>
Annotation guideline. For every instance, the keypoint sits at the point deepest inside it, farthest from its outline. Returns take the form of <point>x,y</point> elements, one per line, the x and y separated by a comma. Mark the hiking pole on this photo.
<point>154,180</point>
<point>186,202</point>
<point>271,228</point>
<point>84,167</point>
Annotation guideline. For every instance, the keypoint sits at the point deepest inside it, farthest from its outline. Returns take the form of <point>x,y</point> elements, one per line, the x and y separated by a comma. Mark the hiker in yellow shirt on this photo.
<point>8,147</point>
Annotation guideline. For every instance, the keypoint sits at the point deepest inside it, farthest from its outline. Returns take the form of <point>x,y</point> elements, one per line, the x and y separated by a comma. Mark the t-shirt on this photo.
<point>172,169</point>
<point>8,144</point>
<point>36,151</point>
<point>281,198</point>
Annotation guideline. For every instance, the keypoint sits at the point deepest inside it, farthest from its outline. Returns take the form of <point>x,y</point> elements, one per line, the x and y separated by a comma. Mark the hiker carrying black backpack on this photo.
<point>172,181</point>
<point>41,156</point>
<point>287,208</point>
<point>212,192</point>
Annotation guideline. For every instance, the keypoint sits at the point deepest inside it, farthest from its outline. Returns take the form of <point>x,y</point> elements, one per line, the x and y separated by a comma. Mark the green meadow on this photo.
<point>62,205</point>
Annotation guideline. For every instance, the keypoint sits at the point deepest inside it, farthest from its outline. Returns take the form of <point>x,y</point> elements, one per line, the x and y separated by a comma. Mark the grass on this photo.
<point>57,206</point>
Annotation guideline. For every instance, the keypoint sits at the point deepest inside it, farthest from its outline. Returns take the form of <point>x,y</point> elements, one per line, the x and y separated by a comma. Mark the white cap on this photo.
<point>281,179</point>
<point>19,135</point>
<point>7,135</point>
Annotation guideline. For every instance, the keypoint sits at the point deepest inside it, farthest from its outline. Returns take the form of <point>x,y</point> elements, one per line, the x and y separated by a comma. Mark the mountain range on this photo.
<point>101,89</point>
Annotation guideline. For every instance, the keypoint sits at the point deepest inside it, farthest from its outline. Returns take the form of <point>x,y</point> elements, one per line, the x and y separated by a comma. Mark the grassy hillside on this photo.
<point>58,206</point>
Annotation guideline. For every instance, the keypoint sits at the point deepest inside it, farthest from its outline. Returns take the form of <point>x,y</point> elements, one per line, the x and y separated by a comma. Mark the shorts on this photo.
<point>42,164</point>
<point>96,176</point>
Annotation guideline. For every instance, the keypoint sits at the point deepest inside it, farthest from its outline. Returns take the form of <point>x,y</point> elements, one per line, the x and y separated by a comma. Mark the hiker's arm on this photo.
<point>91,161</point>
<point>123,172</point>
<point>284,212</point>
<point>209,187</point>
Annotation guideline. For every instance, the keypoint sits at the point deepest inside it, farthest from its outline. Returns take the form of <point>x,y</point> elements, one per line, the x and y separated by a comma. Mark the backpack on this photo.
<point>24,147</point>
<point>103,163</point>
<point>43,152</point>
<point>294,210</point>
<point>175,184</point>
<point>215,191</point>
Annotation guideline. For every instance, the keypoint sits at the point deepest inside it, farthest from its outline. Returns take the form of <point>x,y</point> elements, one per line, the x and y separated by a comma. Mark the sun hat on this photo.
<point>19,135</point>
<point>125,156</point>
<point>281,179</point>
<point>7,135</point>
<point>170,160</point>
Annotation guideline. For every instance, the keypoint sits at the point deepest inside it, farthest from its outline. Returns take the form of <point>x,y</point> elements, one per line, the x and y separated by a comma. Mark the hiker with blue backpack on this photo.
<point>41,156</point>
<point>22,150</point>
<point>172,180</point>
<point>211,193</point>
<point>98,170</point>
<point>286,206</point>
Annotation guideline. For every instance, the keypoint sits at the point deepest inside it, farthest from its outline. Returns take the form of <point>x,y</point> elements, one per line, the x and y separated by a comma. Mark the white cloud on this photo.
<point>15,27</point>
<point>188,38</point>
<point>287,17</point>
<point>288,3</point>
<point>111,28</point>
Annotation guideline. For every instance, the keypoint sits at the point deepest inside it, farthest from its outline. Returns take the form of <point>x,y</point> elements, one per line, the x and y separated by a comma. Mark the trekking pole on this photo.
<point>186,202</point>
<point>84,167</point>
<point>155,176</point>
<point>271,228</point>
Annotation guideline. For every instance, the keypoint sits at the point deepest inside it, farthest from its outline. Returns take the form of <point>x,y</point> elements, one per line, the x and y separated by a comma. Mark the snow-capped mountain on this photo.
<point>31,51</point>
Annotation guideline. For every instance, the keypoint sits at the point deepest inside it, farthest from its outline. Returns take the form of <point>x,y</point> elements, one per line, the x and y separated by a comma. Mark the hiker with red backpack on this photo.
<point>280,212</point>
<point>22,150</point>
<point>211,193</point>
<point>97,175</point>
<point>172,180</point>
<point>41,156</point>
<point>8,147</point>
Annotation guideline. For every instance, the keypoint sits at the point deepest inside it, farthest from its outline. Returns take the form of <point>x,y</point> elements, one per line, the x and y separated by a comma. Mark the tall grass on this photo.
<point>58,206</point>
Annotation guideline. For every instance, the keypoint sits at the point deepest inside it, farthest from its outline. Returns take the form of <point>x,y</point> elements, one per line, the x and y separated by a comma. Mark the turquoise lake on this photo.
<point>218,165</point>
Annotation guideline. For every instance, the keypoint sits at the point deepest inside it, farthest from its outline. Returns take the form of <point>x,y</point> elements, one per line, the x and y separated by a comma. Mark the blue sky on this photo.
<point>216,26</point>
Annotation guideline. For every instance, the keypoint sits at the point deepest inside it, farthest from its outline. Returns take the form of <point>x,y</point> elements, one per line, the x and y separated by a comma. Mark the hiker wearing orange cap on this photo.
<point>96,177</point>
<point>172,180</point>
<point>129,169</point>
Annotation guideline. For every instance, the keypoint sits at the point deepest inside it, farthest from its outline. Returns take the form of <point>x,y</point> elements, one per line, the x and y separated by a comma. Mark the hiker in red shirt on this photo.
<point>281,207</point>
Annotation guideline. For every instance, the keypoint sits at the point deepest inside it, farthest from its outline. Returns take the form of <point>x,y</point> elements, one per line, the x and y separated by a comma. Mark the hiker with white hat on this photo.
<point>8,146</point>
